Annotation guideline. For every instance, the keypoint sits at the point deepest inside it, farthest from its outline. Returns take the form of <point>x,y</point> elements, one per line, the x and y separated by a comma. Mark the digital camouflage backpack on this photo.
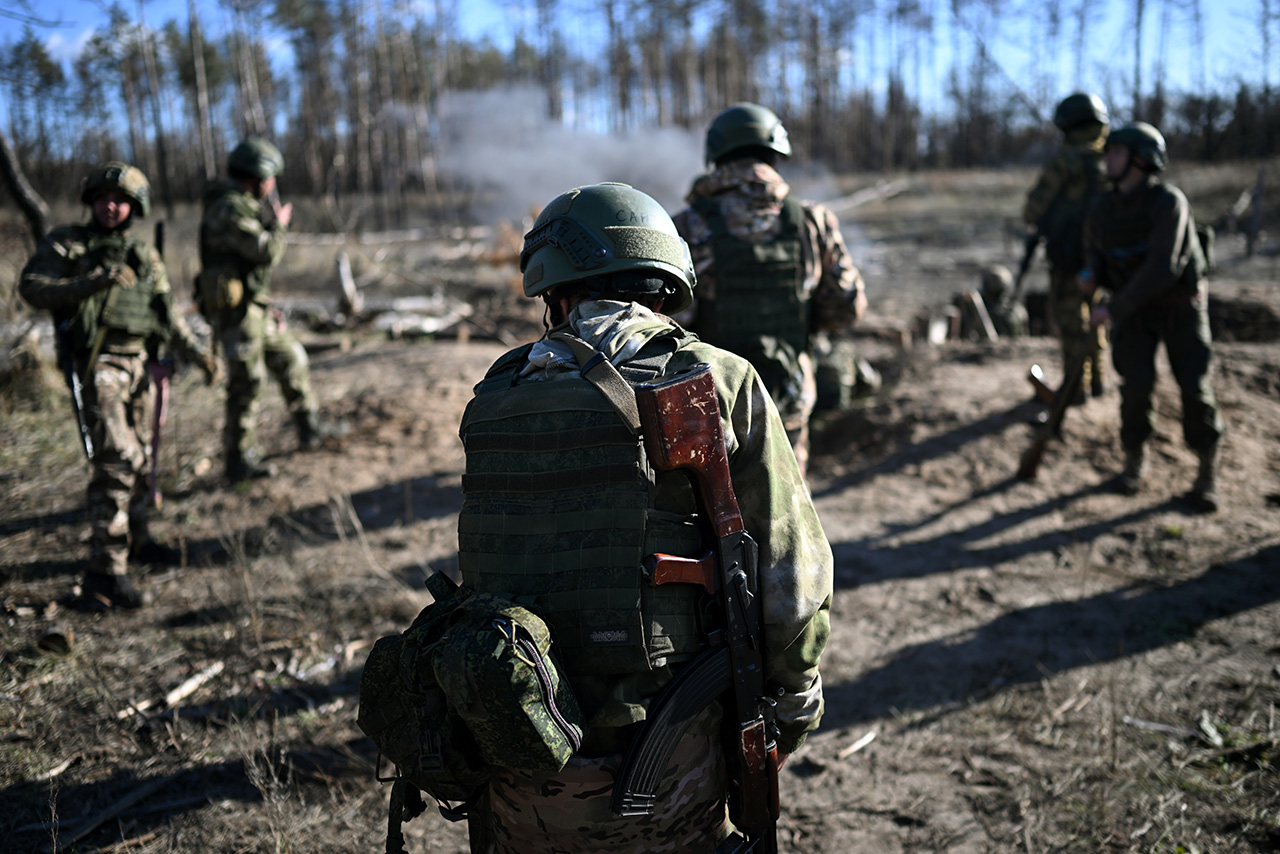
<point>472,684</point>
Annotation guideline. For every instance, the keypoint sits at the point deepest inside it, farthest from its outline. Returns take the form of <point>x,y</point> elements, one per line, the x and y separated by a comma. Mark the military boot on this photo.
<point>149,551</point>
<point>1204,492</point>
<point>1135,465</point>
<point>313,430</point>
<point>100,590</point>
<point>247,466</point>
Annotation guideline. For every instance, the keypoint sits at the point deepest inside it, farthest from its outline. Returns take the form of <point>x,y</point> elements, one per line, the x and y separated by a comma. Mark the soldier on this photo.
<point>1008,314</point>
<point>771,270</point>
<point>1142,247</point>
<point>240,241</point>
<point>1057,206</point>
<point>112,306</point>
<point>546,450</point>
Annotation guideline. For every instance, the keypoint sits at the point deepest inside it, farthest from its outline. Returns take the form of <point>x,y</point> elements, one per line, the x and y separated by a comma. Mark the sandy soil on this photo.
<point>1014,666</point>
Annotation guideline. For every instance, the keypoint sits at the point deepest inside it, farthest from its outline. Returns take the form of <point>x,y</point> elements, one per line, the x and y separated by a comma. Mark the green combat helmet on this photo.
<point>746,124</point>
<point>603,229</point>
<point>126,179</point>
<point>1144,141</point>
<point>1078,109</point>
<point>257,157</point>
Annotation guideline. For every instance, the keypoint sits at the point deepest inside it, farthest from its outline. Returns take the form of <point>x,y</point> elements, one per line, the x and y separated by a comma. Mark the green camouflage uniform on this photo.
<point>1058,205</point>
<point>569,811</point>
<point>750,196</point>
<point>1142,247</point>
<point>122,324</point>
<point>237,252</point>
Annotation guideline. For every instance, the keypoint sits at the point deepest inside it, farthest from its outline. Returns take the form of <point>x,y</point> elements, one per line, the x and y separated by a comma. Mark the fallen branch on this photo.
<point>857,745</point>
<point>190,686</point>
<point>89,825</point>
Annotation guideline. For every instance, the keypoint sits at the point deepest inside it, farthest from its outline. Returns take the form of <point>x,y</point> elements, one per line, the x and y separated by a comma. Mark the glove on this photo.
<point>211,367</point>
<point>121,275</point>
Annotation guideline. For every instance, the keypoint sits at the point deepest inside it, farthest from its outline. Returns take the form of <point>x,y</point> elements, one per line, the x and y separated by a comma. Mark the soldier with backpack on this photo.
<point>1144,249</point>
<point>1056,207</point>
<point>567,512</point>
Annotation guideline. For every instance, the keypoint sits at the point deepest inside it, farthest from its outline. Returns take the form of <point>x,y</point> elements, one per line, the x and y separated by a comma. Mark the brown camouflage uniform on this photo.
<point>64,276</point>
<point>750,194</point>
<point>569,812</point>
<point>1064,177</point>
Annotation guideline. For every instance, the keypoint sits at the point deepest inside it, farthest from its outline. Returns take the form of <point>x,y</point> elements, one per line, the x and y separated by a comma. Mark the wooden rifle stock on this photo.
<point>680,420</point>
<point>1029,464</point>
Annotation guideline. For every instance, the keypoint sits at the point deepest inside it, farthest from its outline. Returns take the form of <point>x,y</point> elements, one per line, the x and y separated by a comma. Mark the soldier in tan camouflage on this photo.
<point>559,509</point>
<point>771,270</point>
<point>112,307</point>
<point>1057,206</point>
<point>241,240</point>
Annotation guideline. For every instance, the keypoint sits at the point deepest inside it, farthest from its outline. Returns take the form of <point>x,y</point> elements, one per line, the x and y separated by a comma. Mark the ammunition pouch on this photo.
<point>218,291</point>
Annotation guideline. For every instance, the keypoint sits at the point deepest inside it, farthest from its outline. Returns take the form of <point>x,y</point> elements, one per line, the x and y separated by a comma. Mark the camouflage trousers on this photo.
<point>1184,328</point>
<point>1070,307</point>
<point>569,813</point>
<point>119,401</point>
<point>256,344</point>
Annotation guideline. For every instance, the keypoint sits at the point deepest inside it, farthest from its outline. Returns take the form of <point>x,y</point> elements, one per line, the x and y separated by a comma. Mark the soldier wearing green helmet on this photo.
<point>772,271</point>
<point>1143,248</point>
<point>242,237</point>
<point>1056,208</point>
<point>547,447</point>
<point>112,308</point>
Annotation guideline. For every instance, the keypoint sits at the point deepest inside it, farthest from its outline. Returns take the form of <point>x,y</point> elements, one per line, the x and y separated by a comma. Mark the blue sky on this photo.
<point>1232,41</point>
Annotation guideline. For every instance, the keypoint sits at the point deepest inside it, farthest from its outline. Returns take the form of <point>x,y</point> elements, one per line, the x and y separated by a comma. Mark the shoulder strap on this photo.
<point>600,372</point>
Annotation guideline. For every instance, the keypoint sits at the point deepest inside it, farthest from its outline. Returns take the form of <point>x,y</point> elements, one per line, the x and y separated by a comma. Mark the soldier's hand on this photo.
<point>283,213</point>
<point>211,367</point>
<point>117,275</point>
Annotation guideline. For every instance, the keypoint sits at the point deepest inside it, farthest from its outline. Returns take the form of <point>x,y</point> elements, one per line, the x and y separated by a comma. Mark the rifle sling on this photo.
<point>704,680</point>
<point>600,372</point>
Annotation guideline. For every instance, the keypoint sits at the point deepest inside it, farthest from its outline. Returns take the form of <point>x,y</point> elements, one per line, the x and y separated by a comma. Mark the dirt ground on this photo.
<point>1014,666</point>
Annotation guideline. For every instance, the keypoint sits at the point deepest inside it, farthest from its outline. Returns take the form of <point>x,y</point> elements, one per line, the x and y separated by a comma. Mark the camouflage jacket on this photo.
<point>236,240</point>
<point>795,558</point>
<point>1142,246</point>
<point>750,195</point>
<point>1062,175</point>
<point>65,276</point>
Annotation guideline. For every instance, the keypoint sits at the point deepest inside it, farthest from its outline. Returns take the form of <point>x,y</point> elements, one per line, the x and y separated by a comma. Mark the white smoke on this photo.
<point>501,143</point>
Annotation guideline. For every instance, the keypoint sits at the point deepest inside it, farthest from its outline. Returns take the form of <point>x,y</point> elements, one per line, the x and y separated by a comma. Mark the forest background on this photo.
<point>396,100</point>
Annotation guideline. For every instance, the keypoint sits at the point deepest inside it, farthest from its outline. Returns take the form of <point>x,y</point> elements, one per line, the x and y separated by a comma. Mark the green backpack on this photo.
<point>472,684</point>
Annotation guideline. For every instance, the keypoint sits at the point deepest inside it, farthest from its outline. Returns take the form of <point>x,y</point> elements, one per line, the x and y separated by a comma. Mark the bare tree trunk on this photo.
<point>15,181</point>
<point>207,157</point>
<point>1139,11</point>
<point>153,93</point>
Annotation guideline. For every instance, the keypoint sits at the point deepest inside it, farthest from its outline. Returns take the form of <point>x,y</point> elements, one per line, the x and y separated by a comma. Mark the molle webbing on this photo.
<point>128,310</point>
<point>557,514</point>
<point>759,286</point>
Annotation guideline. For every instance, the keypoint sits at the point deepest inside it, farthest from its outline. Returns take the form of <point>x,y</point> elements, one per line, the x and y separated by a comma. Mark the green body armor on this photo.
<point>129,311</point>
<point>1126,238</point>
<point>760,311</point>
<point>1064,222</point>
<point>560,508</point>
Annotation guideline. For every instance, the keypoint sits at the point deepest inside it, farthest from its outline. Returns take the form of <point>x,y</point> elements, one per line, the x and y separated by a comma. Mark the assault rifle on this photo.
<point>67,362</point>
<point>680,419</point>
<point>1029,464</point>
<point>1029,246</point>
